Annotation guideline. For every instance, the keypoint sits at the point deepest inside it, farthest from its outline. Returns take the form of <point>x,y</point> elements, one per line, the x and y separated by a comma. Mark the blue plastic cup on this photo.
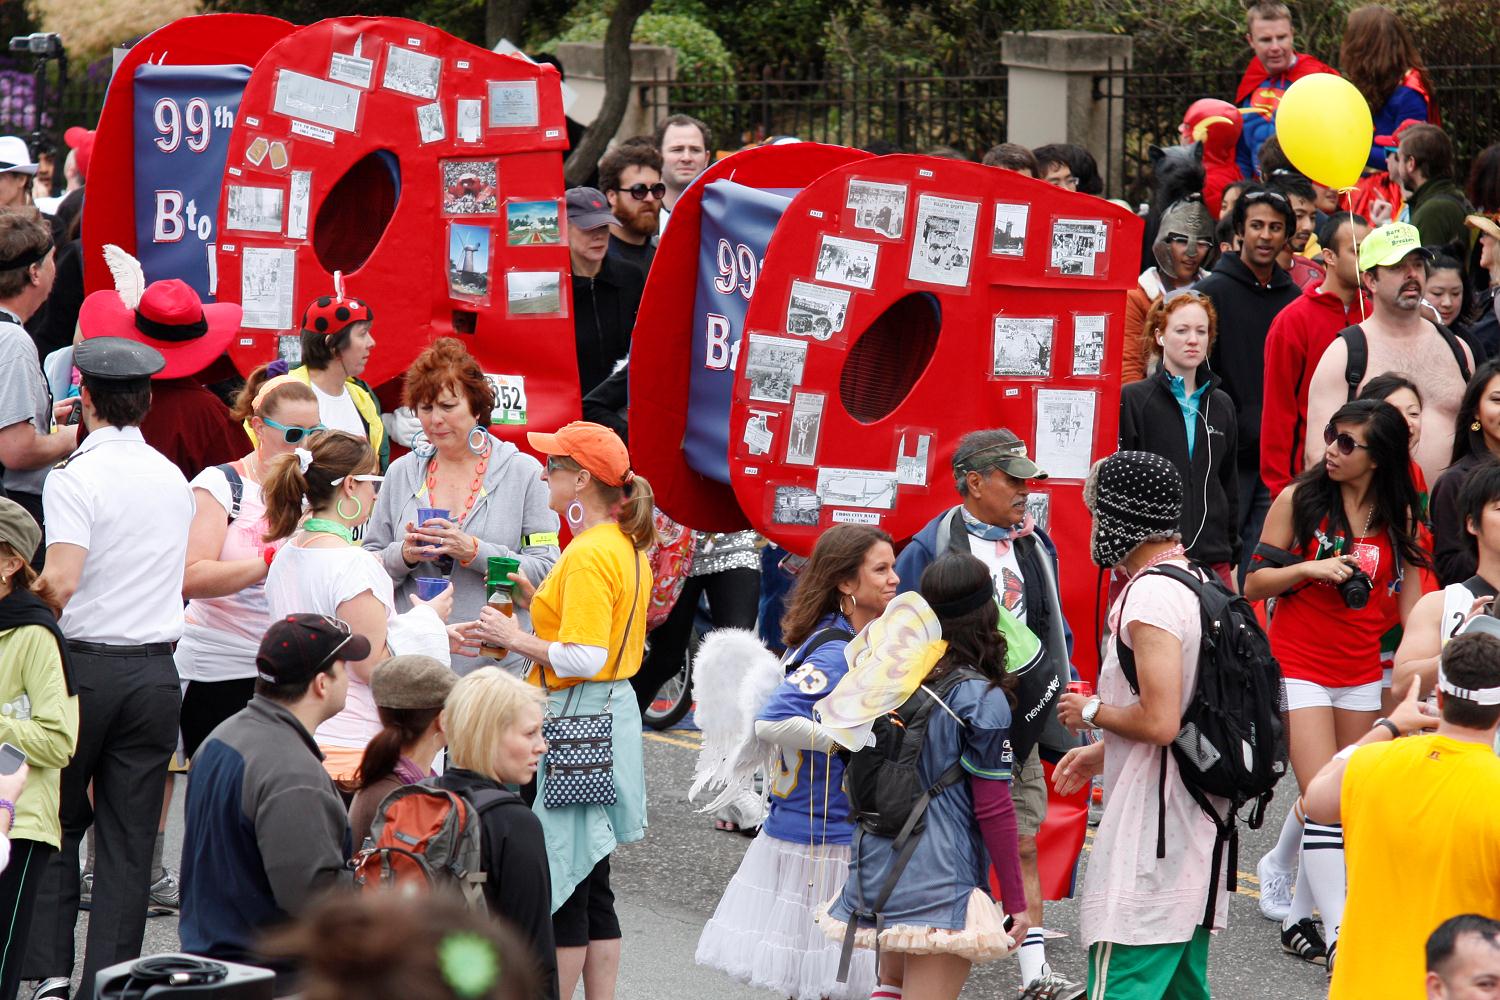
<point>429,587</point>
<point>425,514</point>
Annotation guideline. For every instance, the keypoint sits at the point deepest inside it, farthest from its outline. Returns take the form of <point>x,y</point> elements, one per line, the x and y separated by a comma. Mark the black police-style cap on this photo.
<point>301,646</point>
<point>118,364</point>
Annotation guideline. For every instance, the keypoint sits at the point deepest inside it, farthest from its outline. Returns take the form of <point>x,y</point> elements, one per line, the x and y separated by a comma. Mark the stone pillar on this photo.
<point>650,66</point>
<point>1064,86</point>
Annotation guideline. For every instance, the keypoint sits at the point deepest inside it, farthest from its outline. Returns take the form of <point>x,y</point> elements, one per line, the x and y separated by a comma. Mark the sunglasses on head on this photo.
<point>640,191</point>
<point>1178,240</point>
<point>1343,440</point>
<point>291,433</point>
<point>377,480</point>
<point>342,626</point>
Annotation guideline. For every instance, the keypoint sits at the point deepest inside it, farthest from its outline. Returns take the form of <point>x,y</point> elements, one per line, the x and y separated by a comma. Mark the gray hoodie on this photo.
<point>511,507</point>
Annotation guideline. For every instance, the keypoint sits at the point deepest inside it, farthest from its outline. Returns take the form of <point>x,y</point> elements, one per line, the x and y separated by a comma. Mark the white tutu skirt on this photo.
<point>983,938</point>
<point>765,930</point>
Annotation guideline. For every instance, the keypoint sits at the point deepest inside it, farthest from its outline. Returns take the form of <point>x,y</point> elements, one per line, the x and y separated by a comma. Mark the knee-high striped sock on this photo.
<point>1033,956</point>
<point>1323,860</point>
<point>883,992</point>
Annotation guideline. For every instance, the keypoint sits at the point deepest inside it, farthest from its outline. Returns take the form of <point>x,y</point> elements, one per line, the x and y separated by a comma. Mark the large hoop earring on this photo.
<point>482,446</point>
<point>575,518</point>
<point>359,508</point>
<point>423,448</point>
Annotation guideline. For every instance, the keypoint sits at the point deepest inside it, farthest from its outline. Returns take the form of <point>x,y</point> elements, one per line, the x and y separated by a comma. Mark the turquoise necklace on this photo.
<point>326,526</point>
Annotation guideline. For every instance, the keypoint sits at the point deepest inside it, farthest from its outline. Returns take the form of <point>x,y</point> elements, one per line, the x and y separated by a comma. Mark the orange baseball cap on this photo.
<point>596,448</point>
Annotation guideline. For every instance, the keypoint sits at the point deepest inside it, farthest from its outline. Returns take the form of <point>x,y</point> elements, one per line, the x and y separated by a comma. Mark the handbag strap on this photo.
<point>635,595</point>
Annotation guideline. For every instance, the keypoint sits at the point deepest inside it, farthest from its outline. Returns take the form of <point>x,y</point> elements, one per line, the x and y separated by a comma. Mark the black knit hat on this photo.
<point>1133,495</point>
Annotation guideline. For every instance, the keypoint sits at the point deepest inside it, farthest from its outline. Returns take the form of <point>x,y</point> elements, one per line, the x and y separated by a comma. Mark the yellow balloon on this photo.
<point>1324,127</point>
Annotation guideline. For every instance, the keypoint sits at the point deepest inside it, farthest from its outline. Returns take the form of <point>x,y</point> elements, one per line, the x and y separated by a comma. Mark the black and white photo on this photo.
<point>470,119</point>
<point>806,426</point>
<point>847,262</point>
<point>759,436</point>
<point>774,367</point>
<point>1039,508</point>
<point>911,458</point>
<point>866,488</point>
<point>1009,239</point>
<point>1023,346</point>
<point>313,100</point>
<point>430,126</point>
<point>299,202</point>
<point>878,207</point>
<point>268,278</point>
<point>1077,245</point>
<point>513,104</point>
<point>815,311</point>
<point>1065,432</point>
<point>943,249</point>
<point>414,73</point>
<point>795,505</point>
<point>351,67</point>
<point>255,209</point>
<point>1088,344</point>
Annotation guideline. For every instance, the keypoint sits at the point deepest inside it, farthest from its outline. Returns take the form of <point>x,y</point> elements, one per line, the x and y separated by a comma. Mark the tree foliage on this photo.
<point>90,28</point>
<point>700,53</point>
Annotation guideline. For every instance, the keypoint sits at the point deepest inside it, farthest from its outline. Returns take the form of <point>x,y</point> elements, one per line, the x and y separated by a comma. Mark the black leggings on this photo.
<point>18,886</point>
<point>733,601</point>
<point>205,704</point>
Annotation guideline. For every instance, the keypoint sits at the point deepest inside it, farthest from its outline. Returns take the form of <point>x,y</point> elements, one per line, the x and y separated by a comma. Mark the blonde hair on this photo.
<point>480,708</point>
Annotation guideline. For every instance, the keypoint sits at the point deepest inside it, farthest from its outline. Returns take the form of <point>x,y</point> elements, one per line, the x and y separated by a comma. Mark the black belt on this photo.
<point>105,649</point>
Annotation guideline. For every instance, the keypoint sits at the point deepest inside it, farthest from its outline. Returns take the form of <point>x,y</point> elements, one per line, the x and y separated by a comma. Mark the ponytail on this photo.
<point>284,486</point>
<point>636,512</point>
<point>244,403</point>
<point>400,728</point>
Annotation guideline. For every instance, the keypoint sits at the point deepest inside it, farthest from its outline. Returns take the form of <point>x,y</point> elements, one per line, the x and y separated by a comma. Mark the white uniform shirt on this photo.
<point>131,508</point>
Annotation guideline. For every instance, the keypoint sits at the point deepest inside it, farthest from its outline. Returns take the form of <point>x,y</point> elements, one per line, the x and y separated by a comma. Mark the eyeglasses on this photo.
<point>291,433</point>
<point>1070,182</point>
<point>1181,242</point>
<point>1344,441</point>
<point>377,480</point>
<point>640,191</point>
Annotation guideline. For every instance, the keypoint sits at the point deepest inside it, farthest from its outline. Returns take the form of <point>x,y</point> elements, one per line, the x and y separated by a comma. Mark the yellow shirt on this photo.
<point>587,599</point>
<point>1422,844</point>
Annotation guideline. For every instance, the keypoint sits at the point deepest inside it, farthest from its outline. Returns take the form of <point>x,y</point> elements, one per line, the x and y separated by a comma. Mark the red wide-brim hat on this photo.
<point>170,318</point>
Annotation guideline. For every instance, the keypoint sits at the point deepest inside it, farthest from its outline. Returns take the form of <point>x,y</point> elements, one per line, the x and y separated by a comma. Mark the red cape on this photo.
<point>1256,74</point>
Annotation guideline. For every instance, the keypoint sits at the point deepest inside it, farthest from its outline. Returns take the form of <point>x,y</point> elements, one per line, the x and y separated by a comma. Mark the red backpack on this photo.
<point>424,836</point>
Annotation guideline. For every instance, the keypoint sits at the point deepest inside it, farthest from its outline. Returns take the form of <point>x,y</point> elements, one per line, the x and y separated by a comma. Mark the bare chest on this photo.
<point>1427,361</point>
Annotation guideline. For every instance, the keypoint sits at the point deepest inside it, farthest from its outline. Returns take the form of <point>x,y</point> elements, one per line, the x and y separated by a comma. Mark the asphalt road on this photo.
<point>668,885</point>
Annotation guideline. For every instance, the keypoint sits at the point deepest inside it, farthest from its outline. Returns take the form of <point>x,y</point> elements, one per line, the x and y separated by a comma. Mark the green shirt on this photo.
<point>39,716</point>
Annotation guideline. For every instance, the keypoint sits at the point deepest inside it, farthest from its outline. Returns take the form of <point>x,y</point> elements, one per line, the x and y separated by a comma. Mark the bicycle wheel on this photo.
<point>674,697</point>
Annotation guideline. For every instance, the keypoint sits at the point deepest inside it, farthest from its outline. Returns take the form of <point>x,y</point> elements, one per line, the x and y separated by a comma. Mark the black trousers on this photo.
<point>127,711</point>
<point>18,888</point>
<point>205,704</point>
<point>733,601</point>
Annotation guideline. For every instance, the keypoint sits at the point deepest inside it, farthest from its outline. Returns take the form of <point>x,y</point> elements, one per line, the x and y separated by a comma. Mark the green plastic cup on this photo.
<point>498,575</point>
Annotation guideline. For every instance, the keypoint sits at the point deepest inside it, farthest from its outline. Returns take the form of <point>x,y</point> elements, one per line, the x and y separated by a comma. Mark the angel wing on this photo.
<point>887,662</point>
<point>130,278</point>
<point>733,678</point>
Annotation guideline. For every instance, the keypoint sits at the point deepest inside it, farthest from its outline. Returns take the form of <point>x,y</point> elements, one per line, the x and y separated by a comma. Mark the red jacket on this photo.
<point>1299,335</point>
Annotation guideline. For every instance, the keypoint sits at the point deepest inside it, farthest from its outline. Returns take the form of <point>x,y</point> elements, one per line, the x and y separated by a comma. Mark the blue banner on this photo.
<point>183,119</point>
<point>736,228</point>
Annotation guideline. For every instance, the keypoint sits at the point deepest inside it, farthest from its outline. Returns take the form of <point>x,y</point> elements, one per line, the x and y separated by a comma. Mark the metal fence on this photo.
<point>961,109</point>
<point>1147,107</point>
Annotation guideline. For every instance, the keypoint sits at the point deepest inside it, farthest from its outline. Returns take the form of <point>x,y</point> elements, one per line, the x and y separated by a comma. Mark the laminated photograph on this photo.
<point>255,209</point>
<point>1039,509</point>
<point>1023,347</point>
<point>944,245</point>
<point>847,262</point>
<point>413,73</point>
<point>1077,245</point>
<point>1088,344</point>
<point>1009,239</point>
<point>299,201</point>
<point>469,187</point>
<point>268,279</point>
<point>313,100</point>
<point>774,367</point>
<point>911,459</point>
<point>351,68</point>
<point>758,435</point>
<point>533,293</point>
<point>807,425</point>
<point>513,104</point>
<point>532,223</point>
<point>470,119</point>
<point>878,207</point>
<point>468,260</point>
<point>430,127</point>
<point>815,311</point>
<point>866,488</point>
<point>1065,432</point>
<point>795,505</point>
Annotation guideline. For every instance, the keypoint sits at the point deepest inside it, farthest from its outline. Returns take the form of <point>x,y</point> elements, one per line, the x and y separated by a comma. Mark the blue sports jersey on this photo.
<point>804,780</point>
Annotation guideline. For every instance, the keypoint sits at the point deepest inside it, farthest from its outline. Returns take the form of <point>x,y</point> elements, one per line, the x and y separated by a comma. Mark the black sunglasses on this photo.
<point>640,191</point>
<point>1343,440</point>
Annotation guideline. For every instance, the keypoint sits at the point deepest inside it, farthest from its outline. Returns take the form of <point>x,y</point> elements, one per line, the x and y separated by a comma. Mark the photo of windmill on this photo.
<point>469,260</point>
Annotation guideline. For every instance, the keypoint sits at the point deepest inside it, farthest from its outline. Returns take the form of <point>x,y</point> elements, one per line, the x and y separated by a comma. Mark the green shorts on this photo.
<point>1030,794</point>
<point>1176,971</point>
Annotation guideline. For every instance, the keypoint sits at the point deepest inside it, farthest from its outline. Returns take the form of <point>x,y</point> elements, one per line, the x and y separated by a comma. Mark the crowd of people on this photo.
<point>343,622</point>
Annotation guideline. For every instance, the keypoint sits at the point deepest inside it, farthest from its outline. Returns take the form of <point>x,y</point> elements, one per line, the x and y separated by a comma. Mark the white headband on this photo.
<point>1479,696</point>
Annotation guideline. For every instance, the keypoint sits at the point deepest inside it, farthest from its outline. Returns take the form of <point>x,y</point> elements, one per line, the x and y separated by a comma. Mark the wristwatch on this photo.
<point>1091,709</point>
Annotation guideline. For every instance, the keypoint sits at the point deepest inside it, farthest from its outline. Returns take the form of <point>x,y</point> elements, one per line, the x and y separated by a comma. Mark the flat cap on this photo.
<point>412,681</point>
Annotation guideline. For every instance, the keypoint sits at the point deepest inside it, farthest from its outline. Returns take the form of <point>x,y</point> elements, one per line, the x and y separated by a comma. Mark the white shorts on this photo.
<point>1308,694</point>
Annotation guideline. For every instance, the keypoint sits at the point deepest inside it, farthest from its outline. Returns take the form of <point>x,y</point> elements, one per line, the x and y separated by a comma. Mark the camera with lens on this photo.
<point>1356,590</point>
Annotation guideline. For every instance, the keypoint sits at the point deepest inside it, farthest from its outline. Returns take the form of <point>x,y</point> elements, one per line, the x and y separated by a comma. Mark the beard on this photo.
<point>642,219</point>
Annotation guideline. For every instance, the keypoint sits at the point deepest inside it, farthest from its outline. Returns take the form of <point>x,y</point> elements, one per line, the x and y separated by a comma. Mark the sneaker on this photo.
<point>1051,986</point>
<point>1275,890</point>
<point>1303,940</point>
<point>86,891</point>
<point>165,897</point>
<point>55,988</point>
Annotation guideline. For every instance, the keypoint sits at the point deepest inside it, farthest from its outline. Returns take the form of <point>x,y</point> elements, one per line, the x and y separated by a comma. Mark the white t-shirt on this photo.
<point>220,635</point>
<point>1005,570</point>
<point>120,499</point>
<point>339,412</point>
<point>317,581</point>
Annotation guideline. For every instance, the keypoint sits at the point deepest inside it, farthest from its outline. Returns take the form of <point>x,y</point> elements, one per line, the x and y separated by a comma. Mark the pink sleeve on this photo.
<point>996,815</point>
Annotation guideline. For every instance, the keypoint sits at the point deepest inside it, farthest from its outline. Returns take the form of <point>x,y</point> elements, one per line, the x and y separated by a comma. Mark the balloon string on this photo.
<point>1359,291</point>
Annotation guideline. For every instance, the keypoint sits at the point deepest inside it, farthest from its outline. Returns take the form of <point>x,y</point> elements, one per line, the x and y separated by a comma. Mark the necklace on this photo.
<point>475,485</point>
<point>327,526</point>
<point>1175,552</point>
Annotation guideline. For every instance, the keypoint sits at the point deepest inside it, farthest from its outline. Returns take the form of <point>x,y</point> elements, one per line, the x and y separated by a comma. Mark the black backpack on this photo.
<point>1232,742</point>
<point>1359,355</point>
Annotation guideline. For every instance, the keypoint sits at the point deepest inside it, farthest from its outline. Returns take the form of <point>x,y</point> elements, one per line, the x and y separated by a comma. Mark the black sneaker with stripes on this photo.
<point>1303,940</point>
